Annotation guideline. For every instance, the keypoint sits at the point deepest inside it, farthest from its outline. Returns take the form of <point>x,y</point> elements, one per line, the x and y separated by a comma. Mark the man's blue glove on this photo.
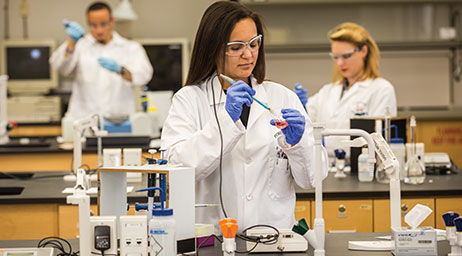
<point>73,30</point>
<point>301,93</point>
<point>109,64</point>
<point>296,125</point>
<point>237,95</point>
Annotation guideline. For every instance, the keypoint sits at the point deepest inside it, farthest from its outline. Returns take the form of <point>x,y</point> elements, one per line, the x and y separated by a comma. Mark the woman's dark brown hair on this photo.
<point>213,34</point>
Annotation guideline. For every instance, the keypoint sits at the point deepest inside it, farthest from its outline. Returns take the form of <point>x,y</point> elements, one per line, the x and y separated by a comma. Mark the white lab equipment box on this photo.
<point>112,196</point>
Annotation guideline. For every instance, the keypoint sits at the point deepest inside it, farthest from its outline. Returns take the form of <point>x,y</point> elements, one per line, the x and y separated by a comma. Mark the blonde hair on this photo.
<point>358,36</point>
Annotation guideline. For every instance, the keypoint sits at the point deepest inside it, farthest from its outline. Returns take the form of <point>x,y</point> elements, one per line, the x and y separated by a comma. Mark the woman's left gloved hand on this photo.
<point>296,125</point>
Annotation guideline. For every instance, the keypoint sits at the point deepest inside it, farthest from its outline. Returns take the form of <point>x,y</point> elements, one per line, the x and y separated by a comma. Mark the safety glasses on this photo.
<point>102,24</point>
<point>346,55</point>
<point>237,48</point>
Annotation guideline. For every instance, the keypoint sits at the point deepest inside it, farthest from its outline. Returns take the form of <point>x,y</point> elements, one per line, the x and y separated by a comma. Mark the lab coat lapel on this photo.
<point>219,94</point>
<point>256,110</point>
<point>352,92</point>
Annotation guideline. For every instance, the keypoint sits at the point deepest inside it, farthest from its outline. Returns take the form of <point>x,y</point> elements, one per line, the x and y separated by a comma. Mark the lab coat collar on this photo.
<point>354,88</point>
<point>219,93</point>
<point>220,97</point>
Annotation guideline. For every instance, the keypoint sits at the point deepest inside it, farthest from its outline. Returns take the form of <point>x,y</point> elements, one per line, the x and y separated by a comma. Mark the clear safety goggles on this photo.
<point>346,55</point>
<point>102,24</point>
<point>237,48</point>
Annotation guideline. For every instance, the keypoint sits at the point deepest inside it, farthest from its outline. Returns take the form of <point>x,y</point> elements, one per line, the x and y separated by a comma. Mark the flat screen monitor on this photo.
<point>26,64</point>
<point>170,61</point>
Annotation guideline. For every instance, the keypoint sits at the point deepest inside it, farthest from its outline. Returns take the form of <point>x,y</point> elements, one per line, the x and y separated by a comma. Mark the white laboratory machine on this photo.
<point>415,240</point>
<point>180,184</point>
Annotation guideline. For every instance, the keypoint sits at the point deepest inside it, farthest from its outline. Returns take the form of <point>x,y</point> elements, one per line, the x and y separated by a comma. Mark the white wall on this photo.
<point>303,23</point>
<point>157,18</point>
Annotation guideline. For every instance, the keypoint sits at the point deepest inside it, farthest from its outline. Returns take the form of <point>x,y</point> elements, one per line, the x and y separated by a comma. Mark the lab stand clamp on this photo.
<point>453,232</point>
<point>179,184</point>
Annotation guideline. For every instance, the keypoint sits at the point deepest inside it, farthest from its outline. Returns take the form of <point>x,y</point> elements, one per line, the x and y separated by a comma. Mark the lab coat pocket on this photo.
<point>359,108</point>
<point>280,180</point>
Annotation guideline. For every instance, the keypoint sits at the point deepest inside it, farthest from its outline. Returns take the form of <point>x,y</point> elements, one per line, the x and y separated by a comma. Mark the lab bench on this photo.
<point>349,205</point>
<point>44,153</point>
<point>336,245</point>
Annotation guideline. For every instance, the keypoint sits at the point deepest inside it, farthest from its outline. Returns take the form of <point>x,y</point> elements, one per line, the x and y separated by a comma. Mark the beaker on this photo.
<point>381,175</point>
<point>414,171</point>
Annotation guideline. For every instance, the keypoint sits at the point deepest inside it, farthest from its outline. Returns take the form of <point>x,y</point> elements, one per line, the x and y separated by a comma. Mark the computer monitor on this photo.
<point>170,60</point>
<point>26,64</point>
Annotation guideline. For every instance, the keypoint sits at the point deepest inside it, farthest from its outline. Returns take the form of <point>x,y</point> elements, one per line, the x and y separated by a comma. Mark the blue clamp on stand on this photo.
<point>139,206</point>
<point>152,160</point>
<point>156,211</point>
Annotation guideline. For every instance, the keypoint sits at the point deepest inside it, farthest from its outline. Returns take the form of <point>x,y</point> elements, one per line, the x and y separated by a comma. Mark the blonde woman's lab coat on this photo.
<point>371,97</point>
<point>258,187</point>
<point>96,89</point>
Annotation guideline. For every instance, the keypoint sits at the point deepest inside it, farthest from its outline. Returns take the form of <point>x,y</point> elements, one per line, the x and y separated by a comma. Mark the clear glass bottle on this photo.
<point>415,169</point>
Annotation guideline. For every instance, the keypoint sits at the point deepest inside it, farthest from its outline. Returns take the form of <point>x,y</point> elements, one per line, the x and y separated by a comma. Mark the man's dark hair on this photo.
<point>99,6</point>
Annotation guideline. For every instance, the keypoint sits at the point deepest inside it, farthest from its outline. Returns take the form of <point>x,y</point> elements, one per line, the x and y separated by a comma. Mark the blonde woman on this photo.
<point>357,87</point>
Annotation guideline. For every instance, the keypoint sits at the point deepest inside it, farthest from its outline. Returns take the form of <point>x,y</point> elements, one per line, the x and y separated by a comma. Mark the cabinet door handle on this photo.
<point>404,207</point>
<point>341,208</point>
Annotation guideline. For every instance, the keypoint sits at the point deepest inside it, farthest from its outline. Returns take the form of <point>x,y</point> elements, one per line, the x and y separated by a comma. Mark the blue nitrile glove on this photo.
<point>73,30</point>
<point>296,125</point>
<point>237,95</point>
<point>301,93</point>
<point>109,64</point>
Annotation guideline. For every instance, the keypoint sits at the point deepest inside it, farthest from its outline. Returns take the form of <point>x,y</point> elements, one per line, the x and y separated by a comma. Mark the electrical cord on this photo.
<point>203,242</point>
<point>221,150</point>
<point>269,239</point>
<point>57,243</point>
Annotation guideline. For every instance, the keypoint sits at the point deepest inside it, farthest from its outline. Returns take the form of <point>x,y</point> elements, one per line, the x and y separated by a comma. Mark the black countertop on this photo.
<point>46,187</point>
<point>336,245</point>
<point>49,144</point>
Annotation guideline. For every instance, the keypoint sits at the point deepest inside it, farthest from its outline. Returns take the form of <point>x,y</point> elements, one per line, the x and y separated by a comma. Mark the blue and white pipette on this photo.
<point>273,112</point>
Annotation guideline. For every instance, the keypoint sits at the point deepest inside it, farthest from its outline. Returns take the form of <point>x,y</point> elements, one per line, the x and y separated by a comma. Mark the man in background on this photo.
<point>106,66</point>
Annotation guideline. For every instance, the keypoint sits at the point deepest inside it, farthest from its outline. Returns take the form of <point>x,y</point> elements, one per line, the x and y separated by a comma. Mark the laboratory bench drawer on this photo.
<point>342,216</point>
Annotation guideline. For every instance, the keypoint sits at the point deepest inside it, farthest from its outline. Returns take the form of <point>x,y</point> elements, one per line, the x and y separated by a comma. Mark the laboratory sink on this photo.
<point>9,191</point>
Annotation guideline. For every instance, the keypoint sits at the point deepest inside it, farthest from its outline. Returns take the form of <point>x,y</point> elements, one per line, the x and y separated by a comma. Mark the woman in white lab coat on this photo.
<point>220,131</point>
<point>356,88</point>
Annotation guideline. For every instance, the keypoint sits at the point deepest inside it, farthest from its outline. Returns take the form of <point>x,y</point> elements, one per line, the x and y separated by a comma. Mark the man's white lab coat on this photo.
<point>258,187</point>
<point>96,89</point>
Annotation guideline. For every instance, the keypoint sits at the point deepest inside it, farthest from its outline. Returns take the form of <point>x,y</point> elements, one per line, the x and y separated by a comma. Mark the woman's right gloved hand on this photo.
<point>237,95</point>
<point>301,93</point>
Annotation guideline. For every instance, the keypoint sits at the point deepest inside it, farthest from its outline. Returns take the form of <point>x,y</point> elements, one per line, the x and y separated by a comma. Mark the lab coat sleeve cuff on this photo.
<point>64,64</point>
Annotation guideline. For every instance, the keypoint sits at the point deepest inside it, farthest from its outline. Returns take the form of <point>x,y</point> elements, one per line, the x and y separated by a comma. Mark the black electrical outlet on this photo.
<point>102,237</point>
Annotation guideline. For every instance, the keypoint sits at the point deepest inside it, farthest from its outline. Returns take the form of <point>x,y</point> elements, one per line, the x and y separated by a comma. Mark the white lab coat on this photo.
<point>96,89</point>
<point>371,96</point>
<point>258,188</point>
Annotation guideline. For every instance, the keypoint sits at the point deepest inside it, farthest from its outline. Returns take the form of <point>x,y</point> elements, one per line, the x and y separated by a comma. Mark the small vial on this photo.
<point>279,121</point>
